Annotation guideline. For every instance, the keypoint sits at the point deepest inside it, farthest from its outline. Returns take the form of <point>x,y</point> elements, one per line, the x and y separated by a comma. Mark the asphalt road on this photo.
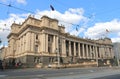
<point>68,73</point>
<point>117,76</point>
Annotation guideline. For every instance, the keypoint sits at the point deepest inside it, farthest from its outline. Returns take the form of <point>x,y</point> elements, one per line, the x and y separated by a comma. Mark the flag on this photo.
<point>76,29</point>
<point>107,30</point>
<point>4,24</point>
<point>52,8</point>
<point>0,41</point>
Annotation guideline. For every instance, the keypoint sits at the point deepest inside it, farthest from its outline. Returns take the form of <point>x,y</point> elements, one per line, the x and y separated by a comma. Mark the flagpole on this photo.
<point>107,31</point>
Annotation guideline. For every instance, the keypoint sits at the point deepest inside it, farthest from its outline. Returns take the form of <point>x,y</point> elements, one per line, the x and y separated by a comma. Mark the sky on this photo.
<point>92,19</point>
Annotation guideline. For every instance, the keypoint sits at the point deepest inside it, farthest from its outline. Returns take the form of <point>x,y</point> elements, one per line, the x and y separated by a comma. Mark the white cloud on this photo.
<point>6,23</point>
<point>117,39</point>
<point>11,1</point>
<point>70,16</point>
<point>21,1</point>
<point>99,30</point>
<point>74,16</point>
<point>119,34</point>
<point>3,0</point>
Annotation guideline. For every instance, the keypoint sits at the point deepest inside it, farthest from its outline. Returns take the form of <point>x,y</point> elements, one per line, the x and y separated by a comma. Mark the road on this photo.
<point>117,76</point>
<point>68,73</point>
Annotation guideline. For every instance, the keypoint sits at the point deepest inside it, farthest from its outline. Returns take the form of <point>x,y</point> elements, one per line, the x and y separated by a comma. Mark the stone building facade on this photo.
<point>44,42</point>
<point>116,48</point>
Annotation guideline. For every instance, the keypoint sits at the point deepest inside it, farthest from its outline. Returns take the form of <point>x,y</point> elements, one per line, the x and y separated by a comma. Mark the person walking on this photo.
<point>1,65</point>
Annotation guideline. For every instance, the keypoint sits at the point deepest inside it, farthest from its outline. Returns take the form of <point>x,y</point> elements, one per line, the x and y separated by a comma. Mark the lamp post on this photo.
<point>96,53</point>
<point>0,41</point>
<point>58,58</point>
<point>116,49</point>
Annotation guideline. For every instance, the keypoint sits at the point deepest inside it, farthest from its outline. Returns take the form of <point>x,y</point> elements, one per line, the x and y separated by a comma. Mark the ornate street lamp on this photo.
<point>58,58</point>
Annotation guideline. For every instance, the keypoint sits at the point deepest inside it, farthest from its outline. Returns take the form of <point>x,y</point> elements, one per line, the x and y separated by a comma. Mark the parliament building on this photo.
<point>45,43</point>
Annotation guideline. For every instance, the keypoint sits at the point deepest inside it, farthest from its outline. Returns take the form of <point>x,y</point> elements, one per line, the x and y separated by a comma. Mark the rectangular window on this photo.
<point>50,38</point>
<point>36,36</point>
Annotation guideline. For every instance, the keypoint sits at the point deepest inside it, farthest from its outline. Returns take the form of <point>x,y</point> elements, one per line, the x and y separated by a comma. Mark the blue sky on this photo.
<point>92,16</point>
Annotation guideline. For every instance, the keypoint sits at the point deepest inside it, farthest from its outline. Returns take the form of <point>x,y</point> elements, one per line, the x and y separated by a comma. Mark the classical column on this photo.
<point>57,44</point>
<point>21,44</point>
<point>43,42</point>
<point>83,50</point>
<point>63,47</point>
<point>79,50</point>
<point>18,46</point>
<point>69,48</point>
<point>93,52</point>
<point>96,52</point>
<point>54,44</point>
<point>90,51</point>
<point>27,41</point>
<point>87,51</point>
<point>46,42</point>
<point>74,48</point>
<point>107,52</point>
<point>102,52</point>
<point>96,55</point>
<point>24,43</point>
<point>40,42</point>
<point>32,42</point>
<point>112,53</point>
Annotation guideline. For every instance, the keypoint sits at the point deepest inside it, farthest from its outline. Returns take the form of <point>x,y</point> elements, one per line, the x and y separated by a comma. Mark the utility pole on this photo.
<point>58,58</point>
<point>96,54</point>
<point>116,49</point>
<point>57,50</point>
<point>0,41</point>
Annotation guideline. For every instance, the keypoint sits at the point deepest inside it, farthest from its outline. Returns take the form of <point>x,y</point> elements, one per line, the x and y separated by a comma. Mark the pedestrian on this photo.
<point>13,63</point>
<point>1,66</point>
